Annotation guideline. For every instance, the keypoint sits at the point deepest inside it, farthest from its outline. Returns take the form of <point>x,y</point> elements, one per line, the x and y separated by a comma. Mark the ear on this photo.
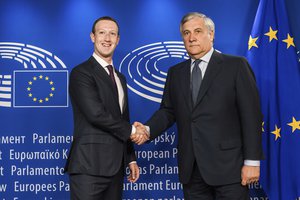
<point>92,35</point>
<point>212,35</point>
<point>118,40</point>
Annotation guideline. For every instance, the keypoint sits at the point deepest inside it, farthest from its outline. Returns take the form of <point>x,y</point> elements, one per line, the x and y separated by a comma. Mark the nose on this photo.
<point>107,37</point>
<point>192,37</point>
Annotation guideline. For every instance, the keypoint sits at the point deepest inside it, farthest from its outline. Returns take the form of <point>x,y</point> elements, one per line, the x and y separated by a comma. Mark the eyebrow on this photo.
<point>110,30</point>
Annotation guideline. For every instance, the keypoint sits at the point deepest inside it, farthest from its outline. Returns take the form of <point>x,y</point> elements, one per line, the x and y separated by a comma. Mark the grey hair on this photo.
<point>207,21</point>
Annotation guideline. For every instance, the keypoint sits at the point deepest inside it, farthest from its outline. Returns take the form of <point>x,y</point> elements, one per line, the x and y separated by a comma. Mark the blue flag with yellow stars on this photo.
<point>40,88</point>
<point>272,55</point>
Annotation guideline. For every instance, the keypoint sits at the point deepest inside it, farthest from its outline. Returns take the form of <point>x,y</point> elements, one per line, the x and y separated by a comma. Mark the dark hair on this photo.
<point>105,18</point>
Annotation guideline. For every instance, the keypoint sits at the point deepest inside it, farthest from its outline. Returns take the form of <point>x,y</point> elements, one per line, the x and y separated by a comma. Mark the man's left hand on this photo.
<point>134,173</point>
<point>250,174</point>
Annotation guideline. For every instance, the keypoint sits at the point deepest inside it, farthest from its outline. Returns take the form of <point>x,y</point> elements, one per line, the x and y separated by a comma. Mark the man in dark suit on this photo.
<point>101,148</point>
<point>214,100</point>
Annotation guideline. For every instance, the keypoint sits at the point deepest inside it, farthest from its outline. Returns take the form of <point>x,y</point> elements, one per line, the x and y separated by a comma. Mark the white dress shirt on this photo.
<point>104,64</point>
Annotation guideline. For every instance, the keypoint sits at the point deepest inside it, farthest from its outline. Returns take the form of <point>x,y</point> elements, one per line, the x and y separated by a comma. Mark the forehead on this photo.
<point>106,24</point>
<point>194,23</point>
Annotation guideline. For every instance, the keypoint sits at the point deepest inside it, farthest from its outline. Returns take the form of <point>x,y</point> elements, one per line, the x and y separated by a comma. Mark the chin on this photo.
<point>194,54</point>
<point>106,53</point>
<point>194,51</point>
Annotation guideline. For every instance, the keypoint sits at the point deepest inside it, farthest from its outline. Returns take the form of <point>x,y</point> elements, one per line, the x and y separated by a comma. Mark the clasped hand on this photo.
<point>141,135</point>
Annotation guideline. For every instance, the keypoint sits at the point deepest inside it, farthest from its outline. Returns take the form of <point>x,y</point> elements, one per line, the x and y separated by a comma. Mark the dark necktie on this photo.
<point>196,80</point>
<point>112,77</point>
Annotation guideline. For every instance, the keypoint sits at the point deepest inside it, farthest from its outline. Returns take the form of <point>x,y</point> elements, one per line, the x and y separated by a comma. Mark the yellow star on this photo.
<point>34,78</point>
<point>51,94</point>
<point>294,124</point>
<point>272,34</point>
<point>289,41</point>
<point>41,76</point>
<point>53,88</point>
<point>41,101</point>
<point>276,132</point>
<point>262,126</point>
<point>30,83</point>
<point>34,99</point>
<point>51,82</point>
<point>46,99</point>
<point>28,89</point>
<point>252,42</point>
<point>46,78</point>
<point>30,95</point>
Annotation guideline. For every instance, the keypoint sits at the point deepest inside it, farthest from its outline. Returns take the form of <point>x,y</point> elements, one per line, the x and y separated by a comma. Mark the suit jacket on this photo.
<point>101,133</point>
<point>222,129</point>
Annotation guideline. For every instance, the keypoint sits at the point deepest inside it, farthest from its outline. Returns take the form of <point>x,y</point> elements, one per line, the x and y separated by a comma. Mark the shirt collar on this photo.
<point>102,62</point>
<point>206,57</point>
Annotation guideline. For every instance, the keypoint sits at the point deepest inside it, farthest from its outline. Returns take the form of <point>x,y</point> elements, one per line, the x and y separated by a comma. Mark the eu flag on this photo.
<point>40,88</point>
<point>272,55</point>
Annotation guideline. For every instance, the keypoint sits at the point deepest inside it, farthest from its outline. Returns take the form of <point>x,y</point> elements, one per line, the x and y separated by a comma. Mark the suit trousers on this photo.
<point>87,187</point>
<point>197,189</point>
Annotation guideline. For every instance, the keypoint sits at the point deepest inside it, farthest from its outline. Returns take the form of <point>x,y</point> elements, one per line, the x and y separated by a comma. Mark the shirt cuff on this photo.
<point>147,129</point>
<point>133,130</point>
<point>254,163</point>
<point>132,162</point>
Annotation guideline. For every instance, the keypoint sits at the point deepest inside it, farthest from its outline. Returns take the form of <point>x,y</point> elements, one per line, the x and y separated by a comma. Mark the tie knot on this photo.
<point>110,69</point>
<point>197,62</point>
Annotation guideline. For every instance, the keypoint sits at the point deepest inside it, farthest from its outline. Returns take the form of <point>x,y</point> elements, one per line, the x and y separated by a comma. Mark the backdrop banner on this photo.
<point>40,43</point>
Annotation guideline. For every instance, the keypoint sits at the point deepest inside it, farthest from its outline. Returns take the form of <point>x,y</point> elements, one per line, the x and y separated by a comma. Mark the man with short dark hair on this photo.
<point>101,148</point>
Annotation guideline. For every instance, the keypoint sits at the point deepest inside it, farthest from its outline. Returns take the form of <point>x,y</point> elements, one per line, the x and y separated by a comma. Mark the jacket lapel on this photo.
<point>186,83</point>
<point>100,71</point>
<point>124,87</point>
<point>212,70</point>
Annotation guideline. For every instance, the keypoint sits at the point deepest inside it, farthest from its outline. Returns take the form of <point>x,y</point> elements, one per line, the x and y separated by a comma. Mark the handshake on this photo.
<point>141,134</point>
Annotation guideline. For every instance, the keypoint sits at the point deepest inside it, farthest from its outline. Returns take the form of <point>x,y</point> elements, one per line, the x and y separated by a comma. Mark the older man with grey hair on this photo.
<point>214,101</point>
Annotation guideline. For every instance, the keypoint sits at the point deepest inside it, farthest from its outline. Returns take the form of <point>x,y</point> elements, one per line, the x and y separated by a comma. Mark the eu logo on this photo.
<point>40,88</point>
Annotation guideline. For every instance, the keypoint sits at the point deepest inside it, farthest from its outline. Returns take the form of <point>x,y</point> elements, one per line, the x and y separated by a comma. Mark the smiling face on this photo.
<point>197,38</point>
<point>105,39</point>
